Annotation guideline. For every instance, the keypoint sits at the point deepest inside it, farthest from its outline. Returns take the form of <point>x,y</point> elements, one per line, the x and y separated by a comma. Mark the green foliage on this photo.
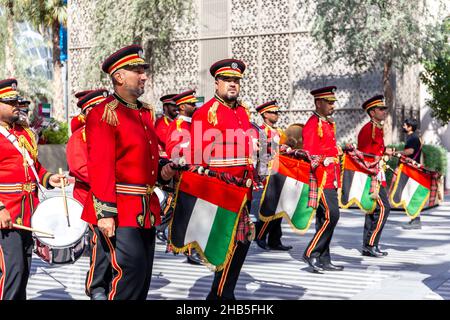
<point>150,23</point>
<point>56,133</point>
<point>369,32</point>
<point>437,78</point>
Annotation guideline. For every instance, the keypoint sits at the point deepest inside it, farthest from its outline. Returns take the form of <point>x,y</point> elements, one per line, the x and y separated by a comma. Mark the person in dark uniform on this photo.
<point>319,140</point>
<point>371,142</point>
<point>123,167</point>
<point>20,172</point>
<point>225,118</point>
<point>270,229</point>
<point>413,150</point>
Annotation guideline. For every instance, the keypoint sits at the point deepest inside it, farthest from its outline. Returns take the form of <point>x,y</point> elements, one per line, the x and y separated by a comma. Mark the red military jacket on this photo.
<point>371,140</point>
<point>77,122</point>
<point>77,155</point>
<point>18,190</point>
<point>221,138</point>
<point>178,138</point>
<point>161,126</point>
<point>319,139</point>
<point>122,164</point>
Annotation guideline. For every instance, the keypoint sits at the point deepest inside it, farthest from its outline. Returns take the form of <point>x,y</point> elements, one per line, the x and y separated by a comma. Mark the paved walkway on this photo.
<point>417,267</point>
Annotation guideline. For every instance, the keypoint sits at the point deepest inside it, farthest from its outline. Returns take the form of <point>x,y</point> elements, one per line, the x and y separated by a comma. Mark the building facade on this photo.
<point>273,38</point>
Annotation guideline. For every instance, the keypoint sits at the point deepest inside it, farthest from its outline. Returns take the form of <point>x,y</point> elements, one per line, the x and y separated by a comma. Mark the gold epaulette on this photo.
<point>81,118</point>
<point>178,123</point>
<point>151,108</point>
<point>32,148</point>
<point>246,107</point>
<point>212,113</point>
<point>110,114</point>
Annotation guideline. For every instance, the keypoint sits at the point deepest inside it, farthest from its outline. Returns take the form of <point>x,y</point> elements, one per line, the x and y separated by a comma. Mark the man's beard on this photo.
<point>404,130</point>
<point>231,98</point>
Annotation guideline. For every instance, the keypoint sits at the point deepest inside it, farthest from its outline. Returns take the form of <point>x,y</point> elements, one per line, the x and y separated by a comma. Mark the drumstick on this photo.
<point>18,226</point>
<point>65,198</point>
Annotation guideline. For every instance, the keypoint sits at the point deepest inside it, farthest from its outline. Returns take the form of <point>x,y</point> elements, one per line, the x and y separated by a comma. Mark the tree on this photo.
<point>48,16</point>
<point>8,7</point>
<point>374,35</point>
<point>150,23</point>
<point>32,84</point>
<point>437,78</point>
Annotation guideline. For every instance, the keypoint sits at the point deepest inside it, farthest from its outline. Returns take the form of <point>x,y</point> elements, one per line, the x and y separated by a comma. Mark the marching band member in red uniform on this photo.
<point>179,138</point>
<point>269,112</point>
<point>221,139</point>
<point>319,139</point>
<point>178,132</point>
<point>371,141</point>
<point>78,121</point>
<point>99,273</point>
<point>163,122</point>
<point>20,172</point>
<point>77,147</point>
<point>123,167</point>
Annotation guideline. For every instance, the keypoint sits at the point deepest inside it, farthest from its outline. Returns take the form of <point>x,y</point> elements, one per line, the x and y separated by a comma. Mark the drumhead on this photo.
<point>50,217</point>
<point>162,196</point>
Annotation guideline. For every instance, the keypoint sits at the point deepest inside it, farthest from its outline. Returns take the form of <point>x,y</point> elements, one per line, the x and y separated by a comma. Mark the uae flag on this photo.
<point>411,189</point>
<point>286,193</point>
<point>205,217</point>
<point>356,186</point>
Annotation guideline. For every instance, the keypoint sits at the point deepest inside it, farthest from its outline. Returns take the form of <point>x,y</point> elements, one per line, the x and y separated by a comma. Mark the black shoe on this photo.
<point>383,253</point>
<point>369,251</point>
<point>98,296</point>
<point>281,247</point>
<point>313,263</point>
<point>194,258</point>
<point>328,266</point>
<point>413,224</point>
<point>262,244</point>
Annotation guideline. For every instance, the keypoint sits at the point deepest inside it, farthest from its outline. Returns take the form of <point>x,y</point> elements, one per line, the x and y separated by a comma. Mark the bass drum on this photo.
<point>68,243</point>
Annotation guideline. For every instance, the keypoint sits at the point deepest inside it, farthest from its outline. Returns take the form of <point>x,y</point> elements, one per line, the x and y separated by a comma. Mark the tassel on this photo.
<point>319,129</point>
<point>373,131</point>
<point>110,114</point>
<point>212,113</point>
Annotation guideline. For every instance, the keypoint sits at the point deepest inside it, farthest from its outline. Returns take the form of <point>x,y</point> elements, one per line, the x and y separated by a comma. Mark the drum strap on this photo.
<point>12,138</point>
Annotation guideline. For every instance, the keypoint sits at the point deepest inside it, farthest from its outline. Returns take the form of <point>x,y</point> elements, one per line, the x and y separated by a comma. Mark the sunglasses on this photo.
<point>273,112</point>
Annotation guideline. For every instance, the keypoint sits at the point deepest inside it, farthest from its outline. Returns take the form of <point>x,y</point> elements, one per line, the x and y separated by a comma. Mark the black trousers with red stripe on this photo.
<point>130,254</point>
<point>15,263</point>
<point>225,280</point>
<point>327,216</point>
<point>375,221</point>
<point>270,230</point>
<point>99,274</point>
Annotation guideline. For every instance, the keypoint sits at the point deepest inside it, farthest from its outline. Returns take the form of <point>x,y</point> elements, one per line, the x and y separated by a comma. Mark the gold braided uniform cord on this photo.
<point>212,113</point>
<point>110,114</point>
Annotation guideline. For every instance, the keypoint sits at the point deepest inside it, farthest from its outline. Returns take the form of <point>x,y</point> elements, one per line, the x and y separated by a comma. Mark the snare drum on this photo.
<point>68,242</point>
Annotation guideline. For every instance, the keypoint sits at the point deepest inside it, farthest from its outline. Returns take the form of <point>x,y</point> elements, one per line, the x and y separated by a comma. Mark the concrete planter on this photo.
<point>53,156</point>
